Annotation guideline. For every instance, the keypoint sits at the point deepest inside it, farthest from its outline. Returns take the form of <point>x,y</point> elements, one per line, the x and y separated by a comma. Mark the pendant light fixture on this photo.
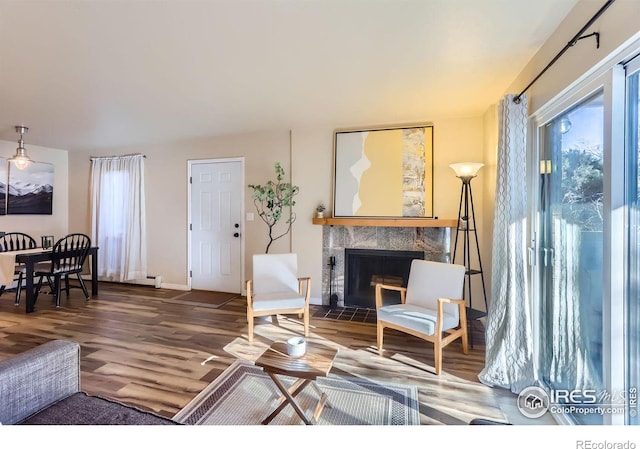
<point>21,159</point>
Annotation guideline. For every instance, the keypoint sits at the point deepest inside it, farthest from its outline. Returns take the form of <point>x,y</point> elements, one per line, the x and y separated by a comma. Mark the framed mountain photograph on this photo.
<point>30,190</point>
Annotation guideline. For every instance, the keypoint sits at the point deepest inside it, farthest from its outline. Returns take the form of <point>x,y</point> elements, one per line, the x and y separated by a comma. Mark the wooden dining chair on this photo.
<point>15,241</point>
<point>67,258</point>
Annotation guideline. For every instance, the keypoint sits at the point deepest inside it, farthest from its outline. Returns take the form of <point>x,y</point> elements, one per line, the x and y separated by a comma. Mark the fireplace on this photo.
<point>364,268</point>
<point>428,243</point>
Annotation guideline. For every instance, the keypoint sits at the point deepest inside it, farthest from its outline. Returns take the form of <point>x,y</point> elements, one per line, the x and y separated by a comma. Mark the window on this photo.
<point>118,217</point>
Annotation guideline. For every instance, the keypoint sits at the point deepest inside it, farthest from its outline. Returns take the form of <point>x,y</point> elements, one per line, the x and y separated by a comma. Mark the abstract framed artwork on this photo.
<point>30,189</point>
<point>385,172</point>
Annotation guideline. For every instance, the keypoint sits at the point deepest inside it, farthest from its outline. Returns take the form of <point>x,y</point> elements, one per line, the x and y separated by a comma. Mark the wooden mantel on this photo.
<point>389,222</point>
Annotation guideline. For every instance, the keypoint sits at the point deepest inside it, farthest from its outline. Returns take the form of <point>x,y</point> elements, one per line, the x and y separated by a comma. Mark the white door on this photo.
<point>216,199</point>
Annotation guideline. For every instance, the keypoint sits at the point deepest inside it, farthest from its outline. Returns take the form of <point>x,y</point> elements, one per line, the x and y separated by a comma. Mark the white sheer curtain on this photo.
<point>509,344</point>
<point>571,359</point>
<point>118,221</point>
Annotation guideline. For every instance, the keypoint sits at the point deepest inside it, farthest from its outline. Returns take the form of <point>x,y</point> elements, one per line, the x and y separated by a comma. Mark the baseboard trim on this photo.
<point>147,282</point>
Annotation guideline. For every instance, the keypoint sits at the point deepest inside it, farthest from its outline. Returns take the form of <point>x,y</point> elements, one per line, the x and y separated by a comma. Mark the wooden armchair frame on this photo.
<point>304,283</point>
<point>439,341</point>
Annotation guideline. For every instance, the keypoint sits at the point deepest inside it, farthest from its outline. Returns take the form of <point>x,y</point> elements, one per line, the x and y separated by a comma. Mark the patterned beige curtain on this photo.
<point>509,345</point>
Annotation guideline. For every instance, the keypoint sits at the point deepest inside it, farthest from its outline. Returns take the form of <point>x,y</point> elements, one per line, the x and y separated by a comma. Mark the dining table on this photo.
<point>30,257</point>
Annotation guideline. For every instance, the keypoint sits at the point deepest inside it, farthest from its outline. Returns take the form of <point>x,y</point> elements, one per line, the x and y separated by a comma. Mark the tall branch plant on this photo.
<point>272,201</point>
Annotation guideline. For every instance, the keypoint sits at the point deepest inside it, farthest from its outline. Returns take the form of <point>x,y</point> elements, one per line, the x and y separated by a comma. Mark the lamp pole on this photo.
<point>467,224</point>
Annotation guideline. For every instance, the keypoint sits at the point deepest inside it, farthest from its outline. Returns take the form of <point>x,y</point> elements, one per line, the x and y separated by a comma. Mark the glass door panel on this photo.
<point>632,157</point>
<point>571,243</point>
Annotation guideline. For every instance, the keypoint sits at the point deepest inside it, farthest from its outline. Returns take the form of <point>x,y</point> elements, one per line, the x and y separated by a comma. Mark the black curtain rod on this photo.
<point>570,44</point>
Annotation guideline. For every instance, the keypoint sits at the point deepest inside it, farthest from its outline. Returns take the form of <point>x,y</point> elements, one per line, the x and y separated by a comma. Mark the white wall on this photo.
<point>56,224</point>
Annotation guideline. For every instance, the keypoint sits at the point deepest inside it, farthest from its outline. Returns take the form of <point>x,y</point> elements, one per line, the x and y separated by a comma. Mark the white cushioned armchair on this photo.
<point>276,289</point>
<point>431,306</point>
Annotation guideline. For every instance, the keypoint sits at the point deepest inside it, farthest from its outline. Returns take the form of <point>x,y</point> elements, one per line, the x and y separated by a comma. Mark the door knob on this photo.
<point>236,234</point>
<point>236,225</point>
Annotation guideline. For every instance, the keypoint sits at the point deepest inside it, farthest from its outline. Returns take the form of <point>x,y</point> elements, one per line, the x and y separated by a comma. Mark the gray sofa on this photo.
<point>42,386</point>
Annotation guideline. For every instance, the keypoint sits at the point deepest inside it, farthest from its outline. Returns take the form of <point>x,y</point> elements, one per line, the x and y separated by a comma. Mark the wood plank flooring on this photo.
<point>141,348</point>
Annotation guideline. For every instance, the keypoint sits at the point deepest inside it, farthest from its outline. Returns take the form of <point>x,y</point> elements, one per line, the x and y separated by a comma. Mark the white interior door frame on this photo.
<point>190,164</point>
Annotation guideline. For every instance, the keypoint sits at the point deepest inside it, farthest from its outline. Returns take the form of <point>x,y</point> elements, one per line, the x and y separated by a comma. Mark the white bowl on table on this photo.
<point>296,346</point>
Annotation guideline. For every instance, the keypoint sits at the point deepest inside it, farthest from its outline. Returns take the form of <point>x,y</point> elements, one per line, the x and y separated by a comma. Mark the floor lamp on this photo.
<point>466,171</point>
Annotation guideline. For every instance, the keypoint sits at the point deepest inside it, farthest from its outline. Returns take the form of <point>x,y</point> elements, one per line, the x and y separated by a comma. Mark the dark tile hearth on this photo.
<point>353,314</point>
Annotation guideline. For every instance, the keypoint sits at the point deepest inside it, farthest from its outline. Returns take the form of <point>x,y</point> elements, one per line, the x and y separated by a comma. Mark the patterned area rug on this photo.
<point>244,395</point>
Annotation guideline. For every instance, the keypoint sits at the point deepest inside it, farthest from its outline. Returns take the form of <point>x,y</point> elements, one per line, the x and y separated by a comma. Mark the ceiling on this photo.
<point>96,74</point>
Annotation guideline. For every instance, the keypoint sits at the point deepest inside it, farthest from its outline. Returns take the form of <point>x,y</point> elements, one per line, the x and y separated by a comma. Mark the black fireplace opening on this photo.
<point>364,268</point>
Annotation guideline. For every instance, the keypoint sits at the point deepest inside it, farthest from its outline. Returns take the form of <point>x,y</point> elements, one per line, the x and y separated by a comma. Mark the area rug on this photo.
<point>244,395</point>
<point>203,298</point>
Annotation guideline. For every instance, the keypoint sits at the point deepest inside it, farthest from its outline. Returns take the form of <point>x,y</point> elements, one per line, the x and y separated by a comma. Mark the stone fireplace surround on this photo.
<point>435,242</point>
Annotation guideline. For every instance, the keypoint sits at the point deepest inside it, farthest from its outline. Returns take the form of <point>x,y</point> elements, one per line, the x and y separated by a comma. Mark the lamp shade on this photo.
<point>466,169</point>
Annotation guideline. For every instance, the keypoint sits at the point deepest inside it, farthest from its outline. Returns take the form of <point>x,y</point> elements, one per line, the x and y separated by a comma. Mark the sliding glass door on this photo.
<point>570,268</point>
<point>632,244</point>
<point>586,238</point>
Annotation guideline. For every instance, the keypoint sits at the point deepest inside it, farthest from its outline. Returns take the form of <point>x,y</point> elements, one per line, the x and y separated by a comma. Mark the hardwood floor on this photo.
<point>140,348</point>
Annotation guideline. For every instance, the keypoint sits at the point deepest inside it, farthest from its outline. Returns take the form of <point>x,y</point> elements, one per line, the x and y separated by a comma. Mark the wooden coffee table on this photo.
<point>316,362</point>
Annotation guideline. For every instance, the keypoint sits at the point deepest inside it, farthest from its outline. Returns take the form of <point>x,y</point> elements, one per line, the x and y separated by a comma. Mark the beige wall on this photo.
<point>166,176</point>
<point>455,140</point>
<point>617,25</point>
<point>56,224</point>
<point>311,159</point>
<point>308,159</point>
<point>490,147</point>
<point>312,163</point>
<point>461,140</point>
